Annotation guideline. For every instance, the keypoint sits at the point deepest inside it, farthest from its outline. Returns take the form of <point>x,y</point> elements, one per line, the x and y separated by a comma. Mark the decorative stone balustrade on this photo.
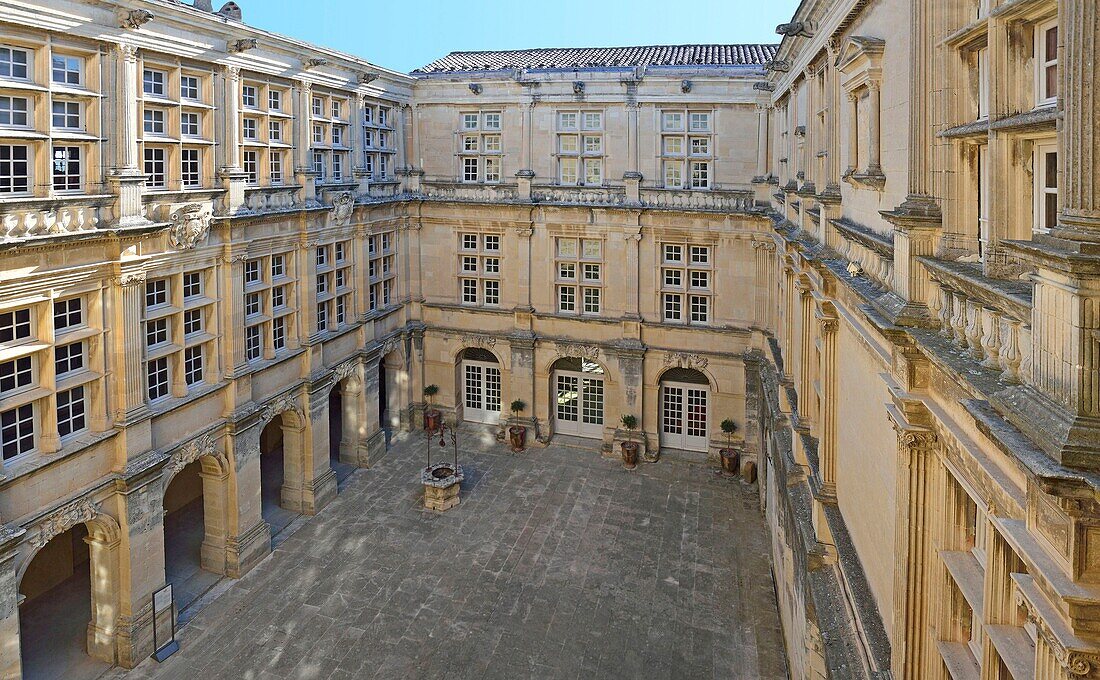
<point>385,189</point>
<point>988,318</point>
<point>271,199</point>
<point>872,251</point>
<point>672,199</point>
<point>39,218</point>
<point>729,201</point>
<point>449,191</point>
<point>613,196</point>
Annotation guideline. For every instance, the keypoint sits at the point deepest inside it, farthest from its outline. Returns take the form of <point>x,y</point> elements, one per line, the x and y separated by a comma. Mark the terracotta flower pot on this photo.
<point>731,461</point>
<point>517,437</point>
<point>432,420</point>
<point>630,454</point>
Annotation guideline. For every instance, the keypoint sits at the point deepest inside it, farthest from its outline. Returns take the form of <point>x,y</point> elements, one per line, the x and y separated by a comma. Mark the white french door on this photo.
<point>481,392</point>
<point>579,404</point>
<point>684,416</point>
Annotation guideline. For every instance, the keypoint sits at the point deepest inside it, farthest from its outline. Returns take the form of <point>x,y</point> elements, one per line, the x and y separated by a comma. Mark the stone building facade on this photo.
<point>233,260</point>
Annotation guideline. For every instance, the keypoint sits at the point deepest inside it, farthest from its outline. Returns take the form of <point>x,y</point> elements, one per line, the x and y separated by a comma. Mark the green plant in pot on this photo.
<point>517,434</point>
<point>731,458</point>
<point>432,416</point>
<point>629,447</point>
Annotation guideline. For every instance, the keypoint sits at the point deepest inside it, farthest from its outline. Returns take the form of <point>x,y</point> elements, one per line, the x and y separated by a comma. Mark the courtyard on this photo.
<point>558,563</point>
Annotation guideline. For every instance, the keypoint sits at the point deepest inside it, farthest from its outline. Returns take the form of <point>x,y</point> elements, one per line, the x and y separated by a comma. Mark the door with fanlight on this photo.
<point>684,411</point>
<point>578,386</point>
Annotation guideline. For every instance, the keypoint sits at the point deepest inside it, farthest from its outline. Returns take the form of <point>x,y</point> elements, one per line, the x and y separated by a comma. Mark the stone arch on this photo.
<point>487,404</point>
<point>347,417</point>
<point>684,406</point>
<point>104,539</point>
<point>296,463</point>
<point>478,349</point>
<point>579,395</point>
<point>685,375</point>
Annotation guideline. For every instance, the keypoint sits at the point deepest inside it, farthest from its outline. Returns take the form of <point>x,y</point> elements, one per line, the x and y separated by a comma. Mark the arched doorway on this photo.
<point>685,407</point>
<point>578,394</point>
<point>479,384</point>
<point>56,609</point>
<point>280,468</point>
<point>343,428</point>
<point>184,534</point>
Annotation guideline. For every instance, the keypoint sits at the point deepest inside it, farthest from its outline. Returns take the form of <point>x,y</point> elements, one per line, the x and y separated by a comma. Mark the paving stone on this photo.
<point>557,564</point>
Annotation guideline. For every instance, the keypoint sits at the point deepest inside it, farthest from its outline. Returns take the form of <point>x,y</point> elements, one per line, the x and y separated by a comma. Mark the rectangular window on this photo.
<point>982,59</point>
<point>700,175</point>
<point>322,284</point>
<point>1046,63</point>
<point>318,134</point>
<point>274,100</point>
<point>673,146</point>
<point>672,121</point>
<point>153,121</point>
<point>152,82</point>
<point>189,124</point>
<point>67,314</point>
<point>278,297</point>
<point>491,242</point>
<point>66,168</point>
<point>674,174</point>
<point>337,166</point>
<point>189,88</point>
<point>492,169</point>
<point>278,333</point>
<point>278,266</point>
<point>192,365</point>
<point>155,168</point>
<point>567,298</point>
<point>156,372</point>
<point>567,120</point>
<point>16,374</point>
<point>673,307</point>
<point>14,64</point>
<point>469,121</point>
<point>66,70</point>
<point>156,293</point>
<point>470,169</point>
<point>700,308</point>
<point>318,107</point>
<point>15,325</point>
<point>252,167</point>
<point>341,309</point>
<point>469,241</point>
<point>337,135</point>
<point>382,115</point>
<point>336,110</point>
<point>156,332</point>
<point>192,285</point>
<point>491,121</point>
<point>700,255</point>
<point>192,321</point>
<point>491,143</point>
<point>66,115</point>
<point>14,169</point>
<point>249,96</point>
<point>17,424</point>
<point>274,131</point>
<point>70,411</point>
<point>190,168</point>
<point>700,146</point>
<point>322,316</point>
<point>593,120</point>
<point>593,144</point>
<point>319,165</point>
<point>568,144</point>
<point>250,128</point>
<point>252,343</point>
<point>699,121</point>
<point>1046,186</point>
<point>593,171</point>
<point>492,292</point>
<point>275,168</point>
<point>469,291</point>
<point>68,358</point>
<point>13,111</point>
<point>673,278</point>
<point>567,170</point>
<point>251,271</point>
<point>252,304</point>
<point>592,300</point>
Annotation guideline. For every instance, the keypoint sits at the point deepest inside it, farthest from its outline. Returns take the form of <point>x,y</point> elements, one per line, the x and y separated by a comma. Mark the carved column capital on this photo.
<point>126,52</point>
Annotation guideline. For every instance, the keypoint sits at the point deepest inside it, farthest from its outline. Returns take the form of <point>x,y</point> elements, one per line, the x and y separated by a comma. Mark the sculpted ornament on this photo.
<point>190,224</point>
<point>134,19</point>
<point>686,360</point>
<point>390,345</point>
<point>63,519</point>
<point>342,207</point>
<point>569,349</point>
<point>345,370</point>
<point>472,340</point>
<point>279,406</point>
<point>190,452</point>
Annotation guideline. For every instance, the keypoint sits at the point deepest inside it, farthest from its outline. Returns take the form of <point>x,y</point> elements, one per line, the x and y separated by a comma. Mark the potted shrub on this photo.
<point>731,458</point>
<point>629,446</point>
<point>432,416</point>
<point>517,434</point>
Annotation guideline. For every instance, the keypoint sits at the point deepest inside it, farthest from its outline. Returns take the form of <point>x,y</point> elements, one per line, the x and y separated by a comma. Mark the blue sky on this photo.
<point>403,35</point>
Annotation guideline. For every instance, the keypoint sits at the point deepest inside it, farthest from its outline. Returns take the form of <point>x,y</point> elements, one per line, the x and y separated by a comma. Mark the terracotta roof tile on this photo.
<point>602,57</point>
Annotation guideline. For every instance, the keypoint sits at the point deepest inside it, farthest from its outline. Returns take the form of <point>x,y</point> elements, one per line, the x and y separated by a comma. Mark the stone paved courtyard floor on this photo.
<point>557,564</point>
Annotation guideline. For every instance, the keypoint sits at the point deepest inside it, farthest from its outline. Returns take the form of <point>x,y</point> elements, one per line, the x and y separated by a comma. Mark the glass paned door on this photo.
<point>481,392</point>
<point>579,404</point>
<point>684,416</point>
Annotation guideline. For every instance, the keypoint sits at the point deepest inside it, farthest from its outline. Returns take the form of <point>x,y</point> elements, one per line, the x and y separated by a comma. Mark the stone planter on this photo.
<point>748,472</point>
<point>731,461</point>
<point>517,437</point>
<point>433,418</point>
<point>630,454</point>
<point>442,482</point>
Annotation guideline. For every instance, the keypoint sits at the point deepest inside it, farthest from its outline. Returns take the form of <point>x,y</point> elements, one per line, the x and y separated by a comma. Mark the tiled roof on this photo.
<point>603,57</point>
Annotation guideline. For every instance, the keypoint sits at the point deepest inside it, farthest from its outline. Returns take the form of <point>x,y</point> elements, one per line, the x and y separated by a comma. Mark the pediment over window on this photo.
<point>860,60</point>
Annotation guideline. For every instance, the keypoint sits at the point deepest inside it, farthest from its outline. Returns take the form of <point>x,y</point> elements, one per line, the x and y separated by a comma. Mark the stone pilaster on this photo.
<point>130,395</point>
<point>10,662</point>
<point>303,164</point>
<point>915,454</point>
<point>233,177</point>
<point>318,480</point>
<point>826,448</point>
<point>248,536</point>
<point>633,239</point>
<point>631,368</point>
<point>126,178</point>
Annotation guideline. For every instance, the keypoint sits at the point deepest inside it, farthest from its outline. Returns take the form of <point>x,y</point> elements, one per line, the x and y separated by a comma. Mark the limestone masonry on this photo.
<point>233,261</point>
